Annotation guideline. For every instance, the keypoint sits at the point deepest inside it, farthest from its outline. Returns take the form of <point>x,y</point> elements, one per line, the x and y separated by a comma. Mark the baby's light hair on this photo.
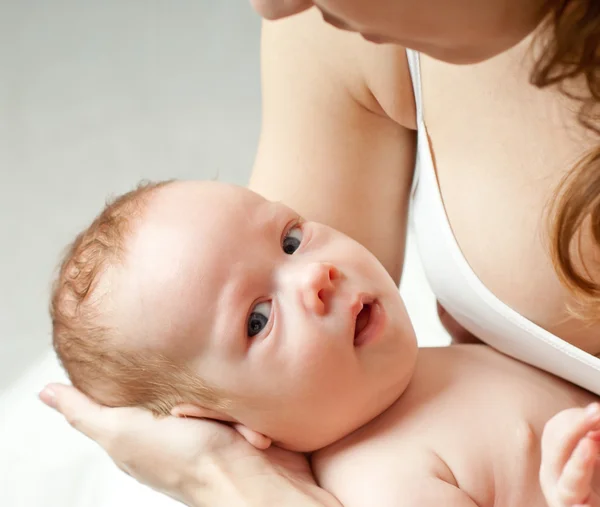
<point>84,341</point>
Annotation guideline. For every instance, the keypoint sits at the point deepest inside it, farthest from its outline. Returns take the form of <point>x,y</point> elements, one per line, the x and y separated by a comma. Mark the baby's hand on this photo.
<point>570,449</point>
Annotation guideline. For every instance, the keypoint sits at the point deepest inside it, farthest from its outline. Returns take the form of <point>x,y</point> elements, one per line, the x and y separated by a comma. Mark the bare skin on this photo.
<point>338,126</point>
<point>307,332</point>
<point>469,431</point>
<point>470,421</point>
<point>501,147</point>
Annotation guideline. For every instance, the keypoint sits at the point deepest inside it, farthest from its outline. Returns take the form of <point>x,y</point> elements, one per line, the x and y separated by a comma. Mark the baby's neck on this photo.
<point>433,372</point>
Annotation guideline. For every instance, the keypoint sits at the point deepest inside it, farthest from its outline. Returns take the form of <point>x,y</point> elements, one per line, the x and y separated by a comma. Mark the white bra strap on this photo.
<point>414,66</point>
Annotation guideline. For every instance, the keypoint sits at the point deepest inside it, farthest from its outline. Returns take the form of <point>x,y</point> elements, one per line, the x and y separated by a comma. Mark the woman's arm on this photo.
<point>329,147</point>
<point>199,463</point>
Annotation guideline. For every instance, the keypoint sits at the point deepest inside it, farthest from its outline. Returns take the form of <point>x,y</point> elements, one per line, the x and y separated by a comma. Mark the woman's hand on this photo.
<point>164,453</point>
<point>198,462</point>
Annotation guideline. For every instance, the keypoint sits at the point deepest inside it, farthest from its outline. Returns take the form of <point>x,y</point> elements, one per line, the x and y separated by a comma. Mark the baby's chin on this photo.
<point>319,435</point>
<point>309,437</point>
<point>321,438</point>
<point>300,443</point>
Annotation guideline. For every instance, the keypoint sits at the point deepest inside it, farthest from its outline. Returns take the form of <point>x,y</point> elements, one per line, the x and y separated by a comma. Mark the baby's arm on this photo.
<point>570,450</point>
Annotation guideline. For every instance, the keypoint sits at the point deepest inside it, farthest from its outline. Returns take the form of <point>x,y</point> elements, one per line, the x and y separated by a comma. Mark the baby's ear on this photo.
<point>254,438</point>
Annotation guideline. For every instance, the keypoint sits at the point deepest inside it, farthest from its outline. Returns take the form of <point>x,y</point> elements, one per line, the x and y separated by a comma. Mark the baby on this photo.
<point>205,300</point>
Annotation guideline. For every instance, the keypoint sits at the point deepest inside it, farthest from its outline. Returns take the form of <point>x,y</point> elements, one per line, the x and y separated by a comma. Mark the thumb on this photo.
<point>80,412</point>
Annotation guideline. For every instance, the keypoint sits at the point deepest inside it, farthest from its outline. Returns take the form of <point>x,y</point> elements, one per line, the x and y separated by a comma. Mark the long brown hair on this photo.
<point>573,53</point>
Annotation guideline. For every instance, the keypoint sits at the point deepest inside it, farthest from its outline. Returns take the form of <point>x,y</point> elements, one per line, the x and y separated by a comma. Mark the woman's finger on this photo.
<point>82,413</point>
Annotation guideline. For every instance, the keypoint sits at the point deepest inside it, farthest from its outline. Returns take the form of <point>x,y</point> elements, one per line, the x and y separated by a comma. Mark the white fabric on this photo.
<point>461,292</point>
<point>45,463</point>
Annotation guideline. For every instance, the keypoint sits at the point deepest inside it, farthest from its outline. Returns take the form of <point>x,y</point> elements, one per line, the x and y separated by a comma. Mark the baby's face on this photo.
<point>299,322</point>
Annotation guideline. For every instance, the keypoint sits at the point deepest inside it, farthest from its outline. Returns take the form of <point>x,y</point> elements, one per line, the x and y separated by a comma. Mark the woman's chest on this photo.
<point>500,149</point>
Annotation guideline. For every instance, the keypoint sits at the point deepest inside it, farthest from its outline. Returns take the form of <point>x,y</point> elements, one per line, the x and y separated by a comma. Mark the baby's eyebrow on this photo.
<point>271,220</point>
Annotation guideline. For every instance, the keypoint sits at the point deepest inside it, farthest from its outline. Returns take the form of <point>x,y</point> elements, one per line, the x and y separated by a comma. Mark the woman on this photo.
<point>506,202</point>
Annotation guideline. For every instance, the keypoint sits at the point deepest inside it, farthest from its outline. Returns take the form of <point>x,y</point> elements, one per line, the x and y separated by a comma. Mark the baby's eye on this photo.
<point>292,240</point>
<point>259,318</point>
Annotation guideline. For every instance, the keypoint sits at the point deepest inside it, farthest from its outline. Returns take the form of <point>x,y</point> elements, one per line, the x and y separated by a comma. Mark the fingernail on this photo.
<point>593,411</point>
<point>48,396</point>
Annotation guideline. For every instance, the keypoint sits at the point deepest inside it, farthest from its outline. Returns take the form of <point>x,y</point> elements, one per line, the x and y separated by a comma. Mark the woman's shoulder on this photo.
<point>375,75</point>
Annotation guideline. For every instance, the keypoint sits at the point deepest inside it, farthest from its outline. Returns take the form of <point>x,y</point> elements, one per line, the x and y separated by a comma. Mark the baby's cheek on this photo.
<point>323,339</point>
<point>320,360</point>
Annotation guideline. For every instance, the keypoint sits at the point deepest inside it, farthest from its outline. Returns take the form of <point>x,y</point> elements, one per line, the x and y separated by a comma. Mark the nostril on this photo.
<point>321,294</point>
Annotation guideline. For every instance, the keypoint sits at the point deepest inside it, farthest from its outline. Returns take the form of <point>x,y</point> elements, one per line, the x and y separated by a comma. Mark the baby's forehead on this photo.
<point>204,197</point>
<point>207,213</point>
<point>169,280</point>
<point>182,256</point>
<point>159,312</point>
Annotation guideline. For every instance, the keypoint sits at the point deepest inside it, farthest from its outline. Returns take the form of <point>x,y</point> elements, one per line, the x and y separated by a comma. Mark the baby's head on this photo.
<point>206,300</point>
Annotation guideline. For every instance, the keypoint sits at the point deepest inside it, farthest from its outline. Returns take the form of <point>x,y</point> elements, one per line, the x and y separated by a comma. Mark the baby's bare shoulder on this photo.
<point>362,470</point>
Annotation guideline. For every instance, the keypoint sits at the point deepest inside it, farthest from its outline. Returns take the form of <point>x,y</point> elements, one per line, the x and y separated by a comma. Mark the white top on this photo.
<point>462,293</point>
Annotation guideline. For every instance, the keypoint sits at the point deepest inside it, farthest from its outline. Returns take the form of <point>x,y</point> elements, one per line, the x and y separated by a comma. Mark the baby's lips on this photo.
<point>359,302</point>
<point>355,308</point>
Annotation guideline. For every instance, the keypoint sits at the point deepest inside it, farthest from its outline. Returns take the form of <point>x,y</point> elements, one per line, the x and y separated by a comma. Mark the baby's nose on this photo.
<point>318,286</point>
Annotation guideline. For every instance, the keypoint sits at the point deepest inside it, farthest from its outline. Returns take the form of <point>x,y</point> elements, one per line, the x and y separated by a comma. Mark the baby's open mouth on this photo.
<point>362,321</point>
